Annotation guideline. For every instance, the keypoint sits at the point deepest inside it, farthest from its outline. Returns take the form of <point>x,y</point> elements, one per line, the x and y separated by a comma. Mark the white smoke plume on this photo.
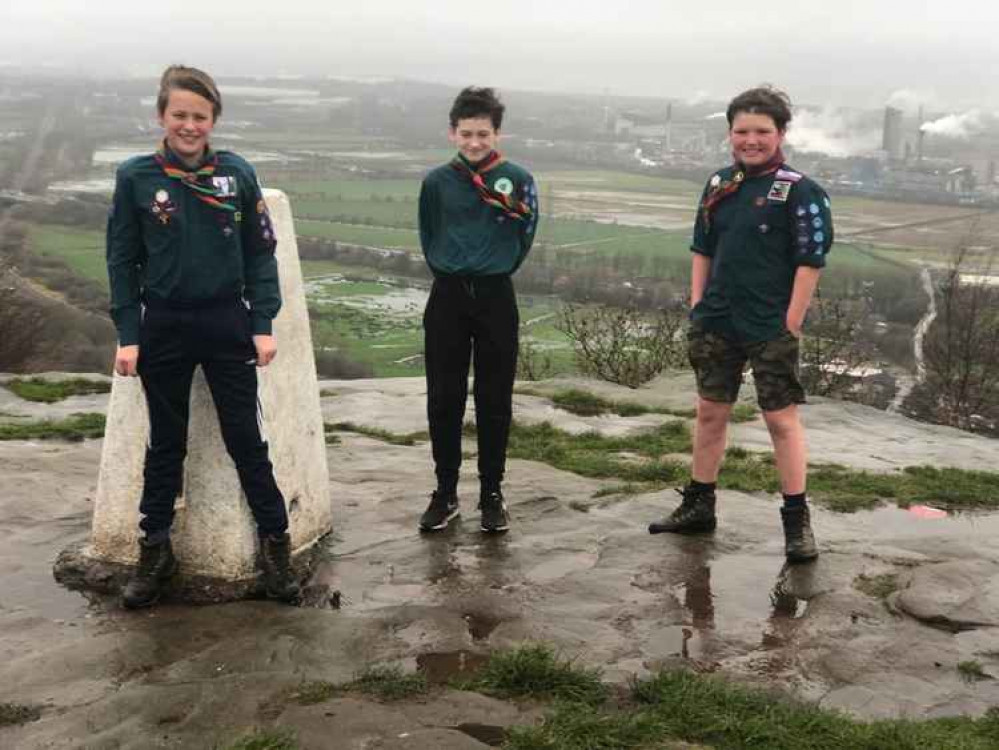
<point>715,116</point>
<point>832,132</point>
<point>956,126</point>
<point>910,100</point>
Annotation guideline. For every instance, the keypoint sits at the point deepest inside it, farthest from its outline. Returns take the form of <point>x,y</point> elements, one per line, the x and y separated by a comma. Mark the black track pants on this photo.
<point>470,318</point>
<point>173,341</point>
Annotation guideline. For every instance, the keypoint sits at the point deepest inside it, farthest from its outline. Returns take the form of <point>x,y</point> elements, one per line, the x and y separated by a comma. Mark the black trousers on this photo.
<point>470,317</point>
<point>173,340</point>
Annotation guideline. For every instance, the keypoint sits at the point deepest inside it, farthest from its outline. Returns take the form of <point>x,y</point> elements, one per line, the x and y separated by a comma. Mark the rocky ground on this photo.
<point>886,623</point>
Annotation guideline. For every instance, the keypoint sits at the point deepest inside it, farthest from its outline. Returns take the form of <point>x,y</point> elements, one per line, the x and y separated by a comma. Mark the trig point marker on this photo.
<point>214,535</point>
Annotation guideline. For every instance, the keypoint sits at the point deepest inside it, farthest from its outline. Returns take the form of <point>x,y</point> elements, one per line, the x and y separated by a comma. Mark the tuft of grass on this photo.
<point>634,458</point>
<point>972,671</point>
<point>314,691</point>
<point>537,671</point>
<point>50,391</point>
<point>743,413</point>
<point>15,713</point>
<point>879,586</point>
<point>377,433</point>
<point>264,739</point>
<point>587,404</point>
<point>75,427</point>
<point>388,683</point>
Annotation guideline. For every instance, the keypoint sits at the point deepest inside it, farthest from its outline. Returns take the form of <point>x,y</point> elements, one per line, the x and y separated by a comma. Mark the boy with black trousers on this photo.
<point>478,215</point>
<point>194,281</point>
<point>761,237</point>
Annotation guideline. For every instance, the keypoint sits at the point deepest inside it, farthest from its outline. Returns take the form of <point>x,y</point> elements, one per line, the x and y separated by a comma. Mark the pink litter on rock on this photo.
<point>926,511</point>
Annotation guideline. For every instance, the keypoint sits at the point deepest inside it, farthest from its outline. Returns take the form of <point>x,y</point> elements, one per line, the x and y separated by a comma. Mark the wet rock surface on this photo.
<point>576,571</point>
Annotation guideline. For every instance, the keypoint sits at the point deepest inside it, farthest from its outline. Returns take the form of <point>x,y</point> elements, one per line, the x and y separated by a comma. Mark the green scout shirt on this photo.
<point>462,235</point>
<point>163,243</point>
<point>757,239</point>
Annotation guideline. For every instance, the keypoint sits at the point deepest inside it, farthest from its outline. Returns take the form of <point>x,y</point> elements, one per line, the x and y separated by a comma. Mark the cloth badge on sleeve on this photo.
<point>789,175</point>
<point>780,191</point>
<point>225,187</point>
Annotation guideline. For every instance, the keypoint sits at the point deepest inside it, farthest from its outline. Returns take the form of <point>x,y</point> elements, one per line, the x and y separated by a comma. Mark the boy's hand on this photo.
<point>266,348</point>
<point>126,360</point>
<point>794,326</point>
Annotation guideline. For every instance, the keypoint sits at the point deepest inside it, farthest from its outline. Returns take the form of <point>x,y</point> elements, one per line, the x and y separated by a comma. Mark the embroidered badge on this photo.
<point>764,228</point>
<point>162,207</point>
<point>761,201</point>
<point>225,187</point>
<point>715,181</point>
<point>503,185</point>
<point>261,206</point>
<point>780,191</point>
<point>817,222</point>
<point>788,174</point>
<point>801,211</point>
<point>813,209</point>
<point>818,236</point>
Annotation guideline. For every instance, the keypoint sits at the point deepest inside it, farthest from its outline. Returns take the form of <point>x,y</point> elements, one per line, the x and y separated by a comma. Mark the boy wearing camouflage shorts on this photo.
<point>761,237</point>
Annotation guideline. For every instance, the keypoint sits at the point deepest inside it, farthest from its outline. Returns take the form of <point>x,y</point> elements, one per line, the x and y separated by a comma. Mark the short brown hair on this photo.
<point>762,100</point>
<point>188,79</point>
<point>474,102</point>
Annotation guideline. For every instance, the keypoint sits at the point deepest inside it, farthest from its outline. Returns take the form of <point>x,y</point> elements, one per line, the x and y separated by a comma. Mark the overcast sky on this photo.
<point>832,51</point>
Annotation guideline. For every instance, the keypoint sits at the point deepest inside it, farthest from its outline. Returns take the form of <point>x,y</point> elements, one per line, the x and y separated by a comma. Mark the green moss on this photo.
<point>377,433</point>
<point>879,586</point>
<point>15,713</point>
<point>50,391</point>
<point>538,671</point>
<point>75,427</point>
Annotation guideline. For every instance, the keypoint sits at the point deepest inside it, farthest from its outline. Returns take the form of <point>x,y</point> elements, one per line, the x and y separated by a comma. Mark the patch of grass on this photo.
<point>537,671</point>
<point>879,586</point>
<point>15,713</point>
<point>624,489</point>
<point>50,391</point>
<point>314,691</point>
<point>744,413</point>
<point>265,739</point>
<point>586,404</point>
<point>635,458</point>
<point>74,428</point>
<point>389,683</point>
<point>972,671</point>
<point>377,433</point>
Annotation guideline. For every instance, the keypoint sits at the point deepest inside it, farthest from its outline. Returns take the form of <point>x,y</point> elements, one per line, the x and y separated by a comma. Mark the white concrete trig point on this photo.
<point>214,535</point>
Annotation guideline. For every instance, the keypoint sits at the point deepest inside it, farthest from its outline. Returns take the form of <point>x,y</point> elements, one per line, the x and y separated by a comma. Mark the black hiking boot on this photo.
<point>799,542</point>
<point>275,559</point>
<point>442,508</point>
<point>494,516</point>
<point>694,515</point>
<point>156,566</point>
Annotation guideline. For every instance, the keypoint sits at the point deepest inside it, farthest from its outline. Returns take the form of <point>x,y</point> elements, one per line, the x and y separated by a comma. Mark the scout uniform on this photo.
<point>757,230</point>
<point>193,277</point>
<point>477,224</point>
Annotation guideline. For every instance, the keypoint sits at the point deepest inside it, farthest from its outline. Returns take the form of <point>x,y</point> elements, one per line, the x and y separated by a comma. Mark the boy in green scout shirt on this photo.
<point>194,281</point>
<point>478,215</point>
<point>761,237</point>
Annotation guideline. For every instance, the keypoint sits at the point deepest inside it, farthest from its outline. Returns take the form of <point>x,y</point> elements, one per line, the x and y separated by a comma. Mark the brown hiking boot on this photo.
<point>799,542</point>
<point>156,566</point>
<point>694,515</point>
<point>275,559</point>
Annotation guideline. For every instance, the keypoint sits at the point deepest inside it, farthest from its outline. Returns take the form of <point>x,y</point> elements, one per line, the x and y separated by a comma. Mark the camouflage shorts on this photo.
<point>719,362</point>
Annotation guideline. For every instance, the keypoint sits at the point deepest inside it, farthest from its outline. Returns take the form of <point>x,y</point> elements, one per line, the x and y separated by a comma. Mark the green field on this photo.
<point>81,249</point>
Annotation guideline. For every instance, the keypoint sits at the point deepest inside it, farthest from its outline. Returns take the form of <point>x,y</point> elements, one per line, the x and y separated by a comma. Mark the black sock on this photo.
<point>794,501</point>
<point>702,486</point>
<point>447,486</point>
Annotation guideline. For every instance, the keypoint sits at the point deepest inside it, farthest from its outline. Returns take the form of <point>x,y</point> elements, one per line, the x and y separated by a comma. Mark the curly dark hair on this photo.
<point>477,102</point>
<point>188,79</point>
<point>762,100</point>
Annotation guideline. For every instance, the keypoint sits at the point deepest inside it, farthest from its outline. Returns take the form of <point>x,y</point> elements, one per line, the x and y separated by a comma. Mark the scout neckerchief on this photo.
<point>199,180</point>
<point>724,188</point>
<point>509,205</point>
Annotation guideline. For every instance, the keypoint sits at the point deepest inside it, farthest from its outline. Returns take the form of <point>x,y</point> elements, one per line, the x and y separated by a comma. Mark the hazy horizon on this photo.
<point>855,53</point>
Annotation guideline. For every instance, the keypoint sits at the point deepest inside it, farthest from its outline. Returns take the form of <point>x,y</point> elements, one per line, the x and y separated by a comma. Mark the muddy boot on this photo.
<point>156,566</point>
<point>799,542</point>
<point>275,559</point>
<point>694,515</point>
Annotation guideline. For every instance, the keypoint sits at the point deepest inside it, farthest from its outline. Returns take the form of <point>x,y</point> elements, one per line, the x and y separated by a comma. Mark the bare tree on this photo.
<point>623,345</point>
<point>834,349</point>
<point>961,348</point>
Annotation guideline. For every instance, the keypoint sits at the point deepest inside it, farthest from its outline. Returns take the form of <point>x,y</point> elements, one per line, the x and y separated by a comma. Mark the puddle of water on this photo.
<point>440,668</point>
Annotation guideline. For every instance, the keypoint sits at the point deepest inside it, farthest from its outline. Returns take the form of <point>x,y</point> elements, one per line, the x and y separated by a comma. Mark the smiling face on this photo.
<point>187,121</point>
<point>474,137</point>
<point>755,138</point>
